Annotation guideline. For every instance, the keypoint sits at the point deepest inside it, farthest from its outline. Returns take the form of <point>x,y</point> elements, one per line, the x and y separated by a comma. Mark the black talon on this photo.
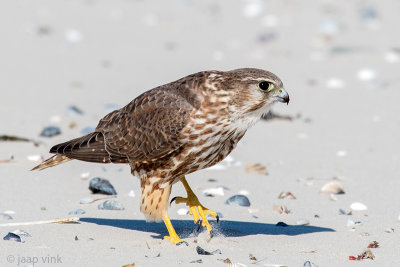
<point>217,218</point>
<point>198,225</point>
<point>172,200</point>
<point>182,242</point>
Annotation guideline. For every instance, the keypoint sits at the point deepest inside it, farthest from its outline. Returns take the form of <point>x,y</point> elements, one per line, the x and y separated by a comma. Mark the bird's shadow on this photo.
<point>186,228</point>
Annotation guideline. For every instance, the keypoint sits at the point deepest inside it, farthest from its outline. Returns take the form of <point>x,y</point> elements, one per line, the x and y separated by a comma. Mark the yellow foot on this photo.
<point>193,203</point>
<point>172,234</point>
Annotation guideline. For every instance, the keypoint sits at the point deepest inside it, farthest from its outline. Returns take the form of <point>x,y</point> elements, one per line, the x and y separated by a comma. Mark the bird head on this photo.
<point>256,90</point>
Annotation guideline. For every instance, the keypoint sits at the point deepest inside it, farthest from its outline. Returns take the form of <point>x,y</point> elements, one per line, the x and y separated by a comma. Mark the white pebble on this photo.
<point>182,211</point>
<point>35,158</point>
<point>358,206</point>
<point>335,83</point>
<point>85,175</point>
<point>366,75</point>
<point>391,57</point>
<point>215,191</point>
<point>131,193</point>
<point>389,230</point>
<point>73,36</point>
<point>341,153</point>
<point>303,222</point>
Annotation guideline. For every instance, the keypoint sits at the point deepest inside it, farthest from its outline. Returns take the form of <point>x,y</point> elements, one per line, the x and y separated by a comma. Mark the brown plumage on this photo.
<point>177,128</point>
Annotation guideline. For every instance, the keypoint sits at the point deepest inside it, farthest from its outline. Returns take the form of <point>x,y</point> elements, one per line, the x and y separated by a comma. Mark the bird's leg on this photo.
<point>173,236</point>
<point>193,203</point>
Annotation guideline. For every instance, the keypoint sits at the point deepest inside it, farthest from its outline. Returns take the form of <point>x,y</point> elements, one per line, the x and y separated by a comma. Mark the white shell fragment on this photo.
<point>256,168</point>
<point>303,222</point>
<point>389,230</point>
<point>281,209</point>
<point>131,193</point>
<point>215,191</point>
<point>85,175</point>
<point>244,192</point>
<point>332,188</point>
<point>358,206</point>
<point>366,75</point>
<point>182,211</point>
<point>86,200</point>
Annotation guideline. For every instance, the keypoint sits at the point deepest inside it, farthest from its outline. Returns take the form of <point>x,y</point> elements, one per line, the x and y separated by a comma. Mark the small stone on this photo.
<point>256,168</point>
<point>50,131</point>
<point>238,200</point>
<point>389,230</point>
<point>216,191</point>
<point>20,233</point>
<point>12,237</point>
<point>74,110</point>
<point>86,200</point>
<point>303,222</point>
<point>182,211</point>
<point>4,216</point>
<point>201,251</point>
<point>358,206</point>
<point>332,188</point>
<point>76,238</point>
<point>309,264</point>
<point>131,194</point>
<point>102,186</point>
<point>110,204</point>
<point>77,212</point>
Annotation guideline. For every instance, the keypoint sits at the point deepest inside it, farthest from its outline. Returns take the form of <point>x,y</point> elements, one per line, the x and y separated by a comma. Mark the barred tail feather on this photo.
<point>50,162</point>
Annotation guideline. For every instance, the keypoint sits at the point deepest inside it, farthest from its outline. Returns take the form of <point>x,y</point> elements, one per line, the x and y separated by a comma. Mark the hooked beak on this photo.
<point>282,96</point>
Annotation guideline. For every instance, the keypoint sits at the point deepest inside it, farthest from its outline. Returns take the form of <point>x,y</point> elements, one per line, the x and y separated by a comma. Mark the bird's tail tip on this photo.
<point>50,162</point>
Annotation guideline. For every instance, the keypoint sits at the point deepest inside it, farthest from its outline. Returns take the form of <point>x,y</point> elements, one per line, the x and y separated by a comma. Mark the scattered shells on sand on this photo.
<point>332,188</point>
<point>215,191</point>
<point>238,200</point>
<point>110,204</point>
<point>101,186</point>
<point>257,168</point>
<point>281,209</point>
<point>358,206</point>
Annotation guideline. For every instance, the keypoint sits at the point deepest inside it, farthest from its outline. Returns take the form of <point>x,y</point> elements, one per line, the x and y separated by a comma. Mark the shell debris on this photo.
<point>256,168</point>
<point>332,188</point>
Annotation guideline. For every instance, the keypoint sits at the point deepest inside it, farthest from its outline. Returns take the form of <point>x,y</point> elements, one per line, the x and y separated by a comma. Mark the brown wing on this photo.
<point>148,128</point>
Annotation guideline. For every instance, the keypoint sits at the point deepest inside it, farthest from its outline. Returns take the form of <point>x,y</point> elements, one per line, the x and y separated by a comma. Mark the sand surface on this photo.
<point>339,61</point>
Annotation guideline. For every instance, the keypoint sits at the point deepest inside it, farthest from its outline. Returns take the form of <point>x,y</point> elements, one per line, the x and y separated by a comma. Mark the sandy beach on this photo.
<point>68,63</point>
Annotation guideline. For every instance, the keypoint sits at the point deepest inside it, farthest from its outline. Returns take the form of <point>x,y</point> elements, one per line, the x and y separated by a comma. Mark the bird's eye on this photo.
<point>266,86</point>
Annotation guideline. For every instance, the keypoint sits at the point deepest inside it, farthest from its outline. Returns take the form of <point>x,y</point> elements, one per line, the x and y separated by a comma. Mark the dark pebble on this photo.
<point>50,131</point>
<point>77,212</point>
<point>238,200</point>
<point>201,251</point>
<point>110,205</point>
<point>76,238</point>
<point>12,237</point>
<point>5,216</point>
<point>102,186</point>
<point>281,224</point>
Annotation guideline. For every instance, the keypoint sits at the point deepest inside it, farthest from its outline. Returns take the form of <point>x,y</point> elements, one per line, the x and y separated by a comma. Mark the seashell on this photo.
<point>256,168</point>
<point>281,209</point>
<point>309,264</point>
<point>102,186</point>
<point>201,251</point>
<point>5,216</point>
<point>216,191</point>
<point>12,237</point>
<point>20,233</point>
<point>283,195</point>
<point>238,200</point>
<point>366,75</point>
<point>332,188</point>
<point>86,200</point>
<point>50,131</point>
<point>358,206</point>
<point>77,212</point>
<point>182,211</point>
<point>74,110</point>
<point>303,222</point>
<point>389,230</point>
<point>110,204</point>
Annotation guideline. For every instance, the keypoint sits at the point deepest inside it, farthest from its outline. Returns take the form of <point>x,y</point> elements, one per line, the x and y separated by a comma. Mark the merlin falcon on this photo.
<point>175,129</point>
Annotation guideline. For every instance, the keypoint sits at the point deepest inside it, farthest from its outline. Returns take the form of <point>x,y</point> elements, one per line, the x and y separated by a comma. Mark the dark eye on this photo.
<point>266,86</point>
